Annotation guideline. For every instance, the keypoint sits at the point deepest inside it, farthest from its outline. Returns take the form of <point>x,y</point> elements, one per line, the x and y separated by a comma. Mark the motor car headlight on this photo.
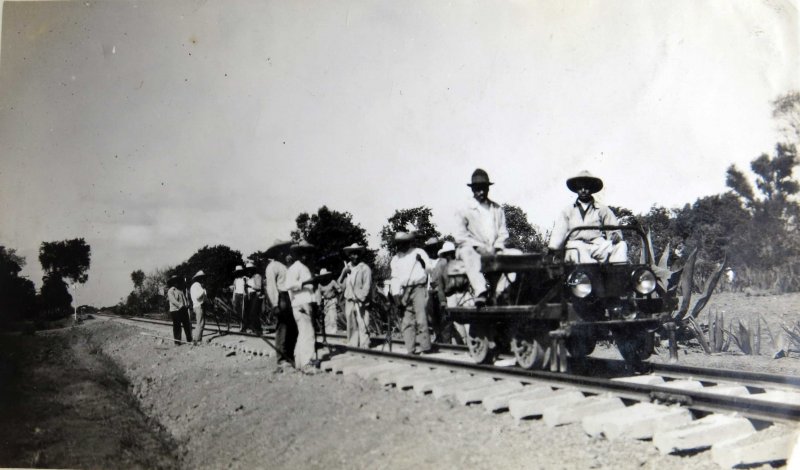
<point>644,281</point>
<point>580,283</point>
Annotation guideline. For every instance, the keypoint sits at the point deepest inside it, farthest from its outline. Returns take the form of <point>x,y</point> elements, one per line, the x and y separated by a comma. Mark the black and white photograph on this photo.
<point>382,234</point>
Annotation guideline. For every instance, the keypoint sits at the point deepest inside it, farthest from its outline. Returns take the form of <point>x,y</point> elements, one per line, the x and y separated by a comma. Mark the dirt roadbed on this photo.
<point>102,395</point>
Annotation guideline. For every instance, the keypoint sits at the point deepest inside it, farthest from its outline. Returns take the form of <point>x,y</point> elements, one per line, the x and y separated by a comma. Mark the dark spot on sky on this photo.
<point>185,79</point>
<point>193,40</point>
<point>190,53</point>
<point>226,74</point>
<point>284,142</point>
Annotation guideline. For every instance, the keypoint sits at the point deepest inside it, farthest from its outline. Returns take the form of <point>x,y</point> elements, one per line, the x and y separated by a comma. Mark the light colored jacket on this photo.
<point>176,298</point>
<point>481,226</point>
<point>198,294</point>
<point>275,277</point>
<point>296,275</point>
<point>596,215</point>
<point>407,271</point>
<point>357,284</point>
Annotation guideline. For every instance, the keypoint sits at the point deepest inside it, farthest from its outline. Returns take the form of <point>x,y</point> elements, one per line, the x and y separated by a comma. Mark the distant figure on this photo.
<point>255,299</point>
<point>178,311</point>
<point>329,300</point>
<point>198,295</point>
<point>481,231</point>
<point>301,292</point>
<point>409,288</point>
<point>278,297</point>
<point>357,280</point>
<point>239,292</point>
<point>432,308</point>
<point>588,246</point>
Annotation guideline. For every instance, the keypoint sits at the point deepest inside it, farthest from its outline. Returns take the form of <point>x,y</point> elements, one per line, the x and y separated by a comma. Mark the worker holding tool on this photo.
<point>409,290</point>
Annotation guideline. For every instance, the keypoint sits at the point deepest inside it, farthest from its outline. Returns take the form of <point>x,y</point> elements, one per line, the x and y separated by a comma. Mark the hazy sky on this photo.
<point>154,128</point>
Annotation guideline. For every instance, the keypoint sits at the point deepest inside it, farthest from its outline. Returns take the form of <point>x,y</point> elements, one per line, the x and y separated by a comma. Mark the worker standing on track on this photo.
<point>299,284</point>
<point>329,300</point>
<point>239,294</point>
<point>255,299</point>
<point>178,311</point>
<point>278,297</point>
<point>409,289</point>
<point>198,295</point>
<point>357,280</point>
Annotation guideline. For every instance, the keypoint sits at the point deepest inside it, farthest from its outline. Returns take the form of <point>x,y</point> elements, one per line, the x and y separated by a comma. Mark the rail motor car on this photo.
<point>551,308</point>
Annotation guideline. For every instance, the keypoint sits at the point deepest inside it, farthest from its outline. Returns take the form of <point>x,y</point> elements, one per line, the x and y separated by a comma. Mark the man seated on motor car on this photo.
<point>588,246</point>
<point>481,231</point>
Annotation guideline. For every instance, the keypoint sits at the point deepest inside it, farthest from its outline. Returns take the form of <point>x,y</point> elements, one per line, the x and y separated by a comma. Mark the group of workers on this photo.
<point>423,281</point>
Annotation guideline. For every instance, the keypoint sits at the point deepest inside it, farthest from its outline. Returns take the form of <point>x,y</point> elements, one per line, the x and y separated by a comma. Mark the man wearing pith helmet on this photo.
<point>588,246</point>
<point>481,231</point>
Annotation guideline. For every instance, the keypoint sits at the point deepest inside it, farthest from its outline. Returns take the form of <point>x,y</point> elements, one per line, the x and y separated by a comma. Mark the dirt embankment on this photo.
<point>65,404</point>
<point>240,412</point>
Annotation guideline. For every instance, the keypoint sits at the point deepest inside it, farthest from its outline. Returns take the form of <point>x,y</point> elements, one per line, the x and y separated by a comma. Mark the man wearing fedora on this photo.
<point>588,246</point>
<point>198,294</point>
<point>178,310</point>
<point>481,230</point>
<point>299,284</point>
<point>357,280</point>
<point>409,288</point>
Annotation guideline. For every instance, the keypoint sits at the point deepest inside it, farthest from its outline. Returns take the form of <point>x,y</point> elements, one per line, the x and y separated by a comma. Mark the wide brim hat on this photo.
<point>480,178</point>
<point>199,274</point>
<point>323,272</point>
<point>249,266</point>
<point>278,250</point>
<point>353,247</point>
<point>592,182</point>
<point>433,241</point>
<point>172,280</point>
<point>403,236</point>
<point>238,268</point>
<point>302,246</point>
<point>448,247</point>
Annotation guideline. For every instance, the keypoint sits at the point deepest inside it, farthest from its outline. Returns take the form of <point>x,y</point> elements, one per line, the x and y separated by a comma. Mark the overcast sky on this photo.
<point>154,128</point>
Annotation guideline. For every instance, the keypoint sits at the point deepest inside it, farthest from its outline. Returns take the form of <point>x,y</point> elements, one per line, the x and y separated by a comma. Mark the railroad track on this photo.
<point>743,417</point>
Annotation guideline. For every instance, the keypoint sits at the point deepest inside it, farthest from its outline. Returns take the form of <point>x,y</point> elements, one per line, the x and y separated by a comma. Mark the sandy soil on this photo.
<point>102,395</point>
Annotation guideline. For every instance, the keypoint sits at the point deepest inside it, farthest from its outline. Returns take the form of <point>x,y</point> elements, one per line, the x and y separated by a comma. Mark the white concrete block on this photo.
<point>574,412</point>
<point>778,396</point>
<point>683,384</point>
<point>389,376</point>
<point>425,385</point>
<point>794,457</point>
<point>500,401</point>
<point>526,407</point>
<point>702,433</point>
<point>372,372</point>
<point>753,450</point>
<point>642,379</point>
<point>642,417</point>
<point>408,380</point>
<point>476,395</point>
<point>448,390</point>
<point>728,390</point>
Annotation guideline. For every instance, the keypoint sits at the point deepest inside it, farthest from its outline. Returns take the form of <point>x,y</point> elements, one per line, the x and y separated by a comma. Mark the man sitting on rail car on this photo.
<point>481,231</point>
<point>588,246</point>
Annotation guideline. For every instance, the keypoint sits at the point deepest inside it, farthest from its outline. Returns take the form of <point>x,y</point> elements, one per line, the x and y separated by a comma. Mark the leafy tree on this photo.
<point>17,294</point>
<point>68,259</point>
<point>54,298</point>
<point>217,262</point>
<point>522,234</point>
<point>420,217</point>
<point>774,209</point>
<point>330,231</point>
<point>138,278</point>
<point>786,110</point>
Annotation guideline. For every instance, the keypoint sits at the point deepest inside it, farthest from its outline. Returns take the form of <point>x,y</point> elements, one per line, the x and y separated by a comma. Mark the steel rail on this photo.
<point>692,399</point>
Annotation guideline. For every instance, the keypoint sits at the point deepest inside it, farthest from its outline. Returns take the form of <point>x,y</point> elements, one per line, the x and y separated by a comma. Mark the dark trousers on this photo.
<point>252,313</point>
<point>286,328</point>
<point>180,318</point>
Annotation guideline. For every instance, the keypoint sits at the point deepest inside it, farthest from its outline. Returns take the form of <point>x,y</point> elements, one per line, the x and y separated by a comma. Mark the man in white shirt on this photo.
<point>278,298</point>
<point>588,246</point>
<point>409,288</point>
<point>481,231</point>
<point>239,295</point>
<point>356,278</point>
<point>301,293</point>
<point>198,294</point>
